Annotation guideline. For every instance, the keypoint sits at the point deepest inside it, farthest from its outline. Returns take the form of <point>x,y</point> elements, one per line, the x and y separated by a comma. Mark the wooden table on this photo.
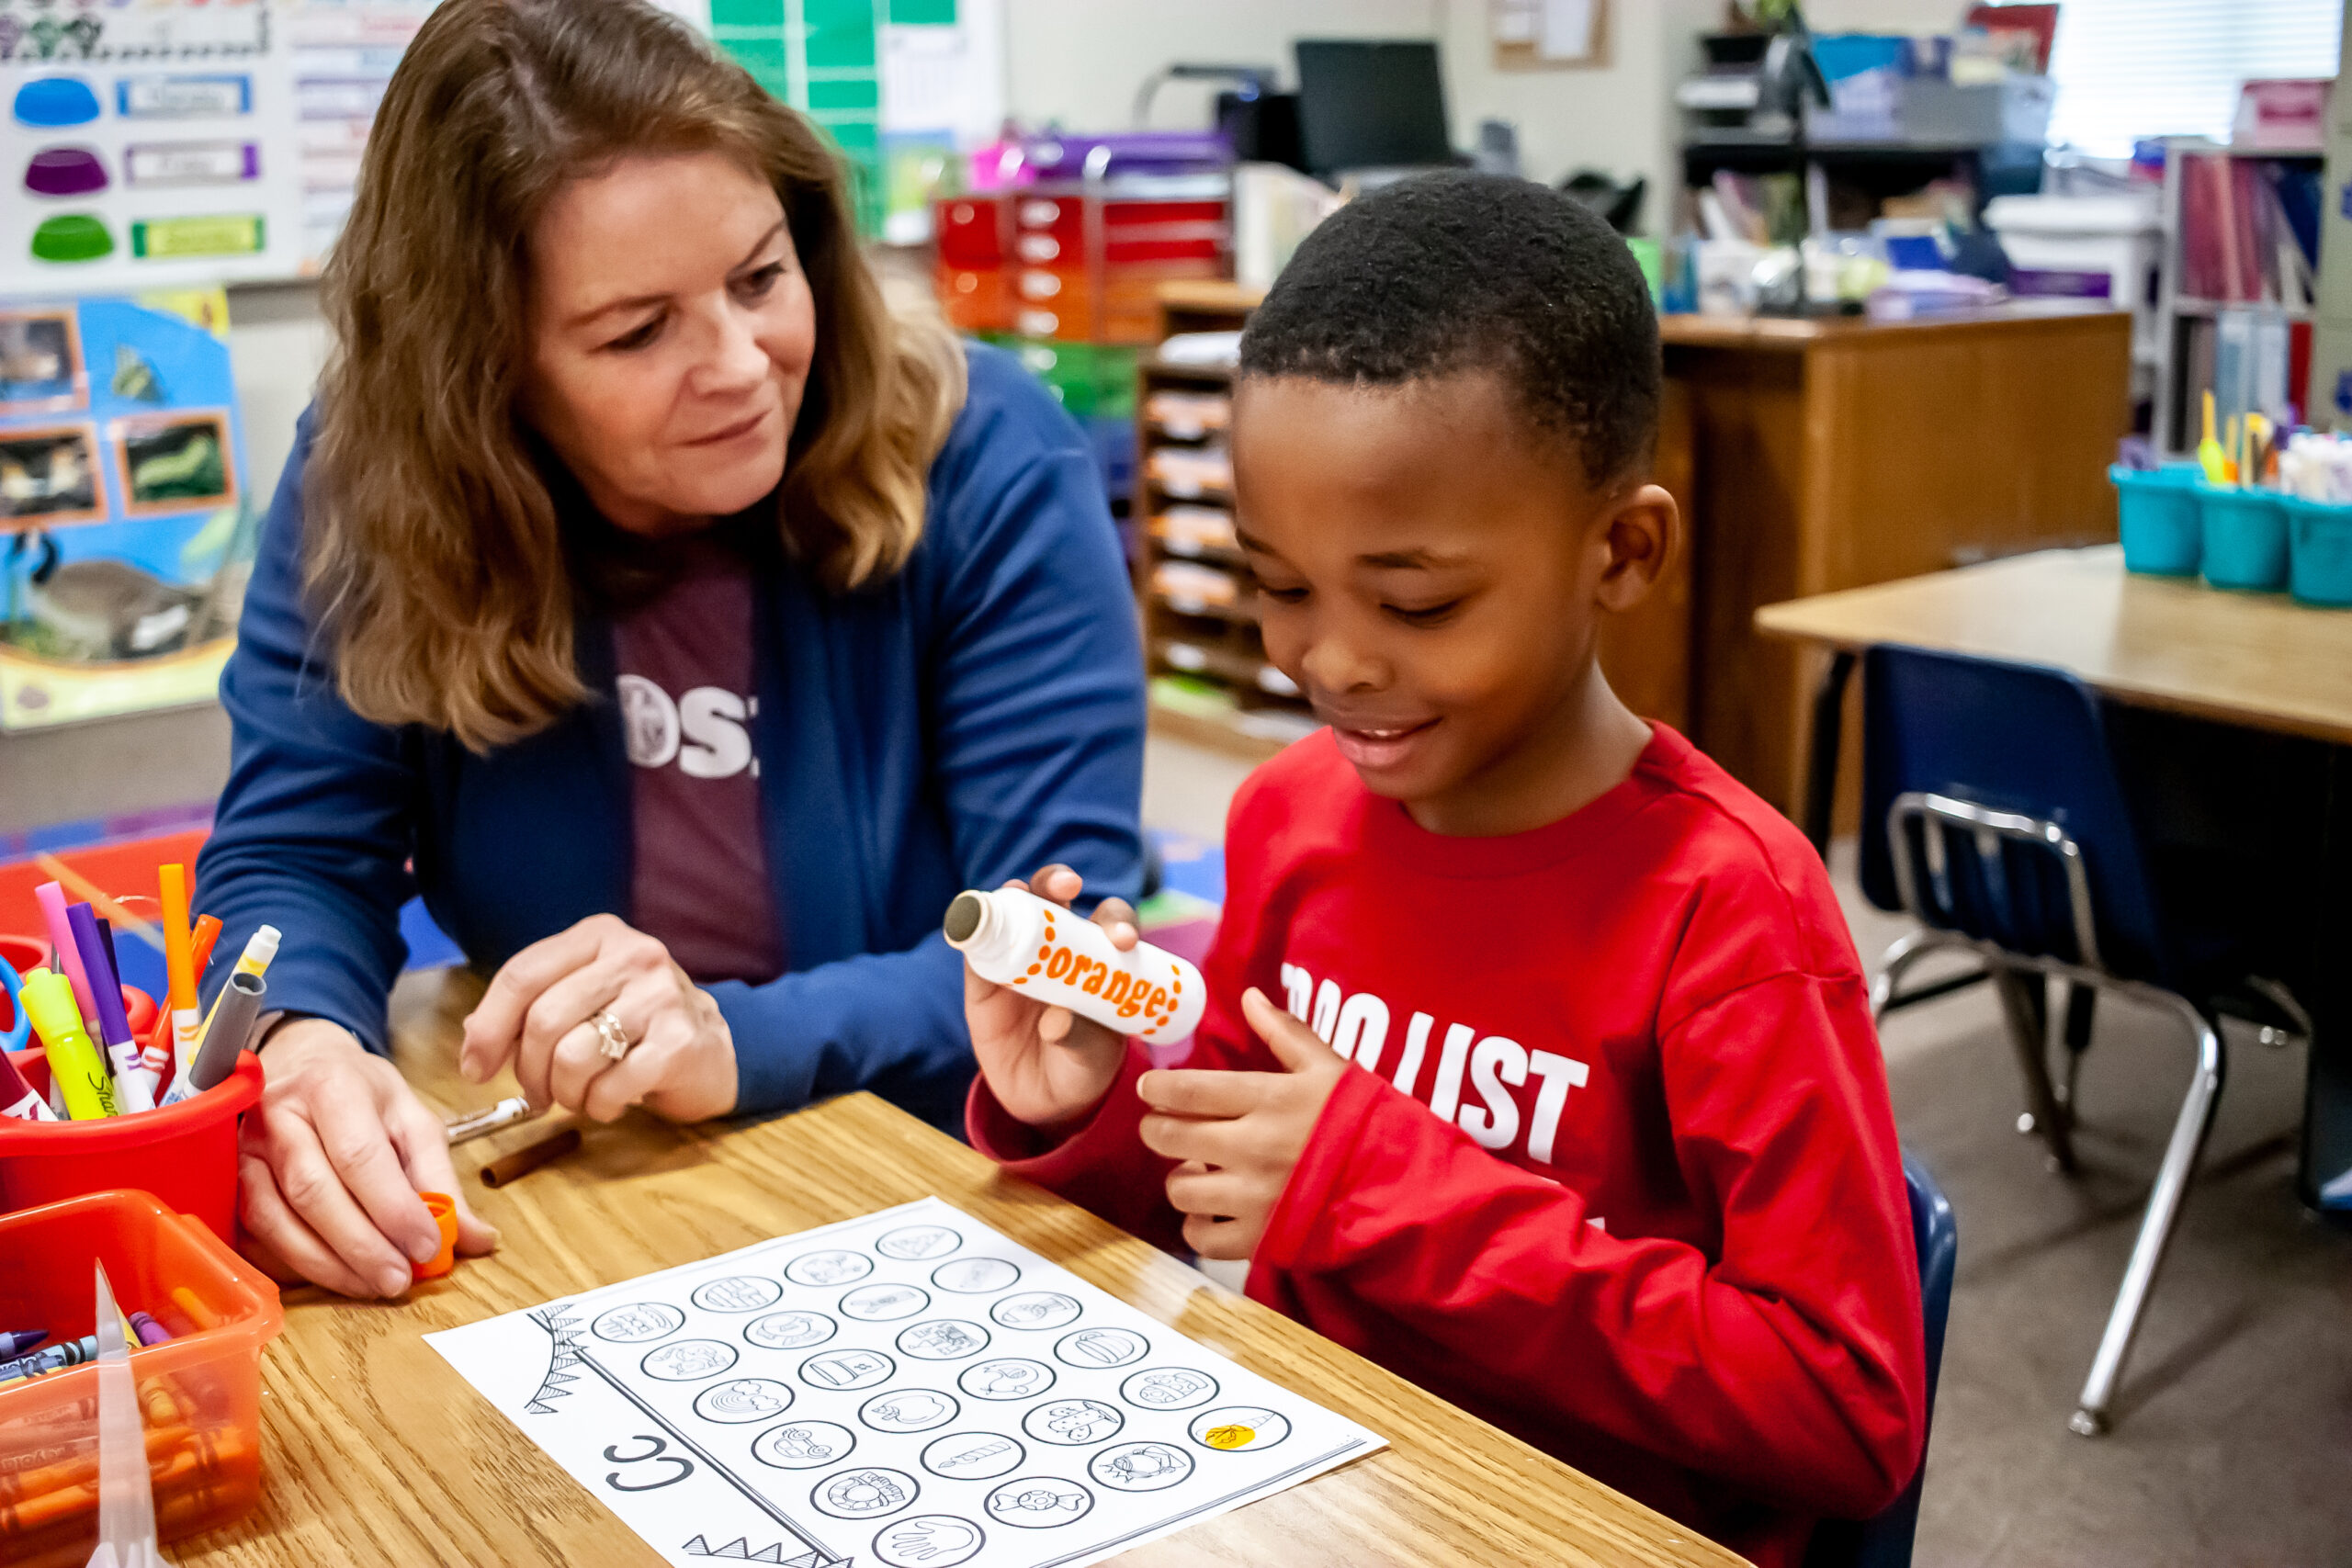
<point>2257,661</point>
<point>376,1451</point>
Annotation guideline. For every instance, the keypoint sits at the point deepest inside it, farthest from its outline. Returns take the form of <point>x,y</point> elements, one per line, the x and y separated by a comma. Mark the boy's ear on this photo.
<point>1641,534</point>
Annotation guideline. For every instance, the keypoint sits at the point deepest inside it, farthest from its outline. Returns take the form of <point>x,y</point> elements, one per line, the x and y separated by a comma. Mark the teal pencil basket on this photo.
<point>2319,550</point>
<point>2158,514</point>
<point>2245,537</point>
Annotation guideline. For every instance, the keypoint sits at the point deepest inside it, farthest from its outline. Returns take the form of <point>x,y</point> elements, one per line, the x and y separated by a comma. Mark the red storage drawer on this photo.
<point>967,227</point>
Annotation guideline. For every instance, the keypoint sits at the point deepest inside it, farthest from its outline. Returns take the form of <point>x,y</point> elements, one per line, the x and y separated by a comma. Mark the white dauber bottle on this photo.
<point>1017,939</point>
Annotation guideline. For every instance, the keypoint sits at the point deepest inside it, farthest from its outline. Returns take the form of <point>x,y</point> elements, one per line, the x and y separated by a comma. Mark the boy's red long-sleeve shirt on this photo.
<point>1617,1171</point>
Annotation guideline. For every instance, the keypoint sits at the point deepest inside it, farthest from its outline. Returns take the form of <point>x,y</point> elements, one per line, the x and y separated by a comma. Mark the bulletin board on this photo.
<point>1541,35</point>
<point>122,503</point>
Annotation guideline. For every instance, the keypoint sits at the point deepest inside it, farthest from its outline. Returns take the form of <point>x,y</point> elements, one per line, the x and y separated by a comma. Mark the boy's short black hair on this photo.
<point>1457,271</point>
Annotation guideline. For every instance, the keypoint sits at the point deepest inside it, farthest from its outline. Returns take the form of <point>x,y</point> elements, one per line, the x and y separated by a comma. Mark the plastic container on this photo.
<point>2163,530</point>
<point>186,1155</point>
<point>2245,537</point>
<point>2319,551</point>
<point>199,1392</point>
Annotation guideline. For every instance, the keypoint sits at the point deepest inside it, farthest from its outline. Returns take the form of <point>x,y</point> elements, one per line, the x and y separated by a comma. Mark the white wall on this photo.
<point>1081,61</point>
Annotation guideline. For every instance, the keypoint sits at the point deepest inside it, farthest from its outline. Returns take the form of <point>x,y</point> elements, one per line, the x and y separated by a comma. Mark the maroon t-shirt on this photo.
<point>700,883</point>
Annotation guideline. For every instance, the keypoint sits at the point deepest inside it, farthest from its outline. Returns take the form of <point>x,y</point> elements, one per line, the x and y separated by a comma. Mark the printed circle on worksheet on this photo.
<point>1036,1309</point>
<point>636,1324</point>
<point>841,1371</point>
<point>1039,1503</point>
<point>804,1444</point>
<point>867,1493</point>
<point>1239,1428</point>
<point>913,1244</point>
<point>834,1267</point>
<point>975,1276</point>
<point>883,1303</point>
<point>737,1292</point>
<point>972,1456</point>
<point>1167,1388</point>
<point>944,1339</point>
<point>929,1541</point>
<point>1140,1467</point>
<point>1007,1377</point>
<point>1072,1423</point>
<point>1092,1347</point>
<point>909,1410</point>
<point>688,1359</point>
<point>745,1399</point>
<point>790,1330</point>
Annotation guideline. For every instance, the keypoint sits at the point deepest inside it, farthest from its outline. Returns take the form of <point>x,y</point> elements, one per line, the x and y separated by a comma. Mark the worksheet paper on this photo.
<point>910,1389</point>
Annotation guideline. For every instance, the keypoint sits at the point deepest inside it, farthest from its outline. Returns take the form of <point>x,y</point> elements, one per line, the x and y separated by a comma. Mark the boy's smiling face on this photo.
<point>1432,570</point>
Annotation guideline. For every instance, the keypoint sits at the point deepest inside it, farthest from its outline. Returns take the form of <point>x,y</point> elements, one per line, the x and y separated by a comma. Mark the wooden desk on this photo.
<point>1835,454</point>
<point>2257,661</point>
<point>376,1451</point>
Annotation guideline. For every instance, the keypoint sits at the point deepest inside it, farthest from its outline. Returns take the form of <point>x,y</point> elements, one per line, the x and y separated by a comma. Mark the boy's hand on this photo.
<point>1046,1065</point>
<point>1240,1134</point>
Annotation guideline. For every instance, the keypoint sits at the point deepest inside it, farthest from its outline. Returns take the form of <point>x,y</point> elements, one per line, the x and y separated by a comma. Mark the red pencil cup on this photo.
<point>185,1155</point>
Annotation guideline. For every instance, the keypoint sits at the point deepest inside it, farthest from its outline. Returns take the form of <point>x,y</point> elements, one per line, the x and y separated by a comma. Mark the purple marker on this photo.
<point>149,1332</point>
<point>22,1340</point>
<point>133,1090</point>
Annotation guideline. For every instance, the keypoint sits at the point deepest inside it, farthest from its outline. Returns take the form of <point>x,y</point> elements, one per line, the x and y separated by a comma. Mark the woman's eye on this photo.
<point>754,285</point>
<point>637,337</point>
<point>1280,595</point>
<point>1423,614</point>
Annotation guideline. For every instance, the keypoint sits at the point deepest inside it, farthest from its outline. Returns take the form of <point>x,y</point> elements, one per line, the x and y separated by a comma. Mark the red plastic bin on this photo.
<point>200,1392</point>
<point>187,1155</point>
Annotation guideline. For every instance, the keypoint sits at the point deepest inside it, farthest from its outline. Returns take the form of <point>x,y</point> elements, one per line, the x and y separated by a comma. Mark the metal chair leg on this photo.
<point>2028,1033</point>
<point>2081,1008</point>
<point>2181,1153</point>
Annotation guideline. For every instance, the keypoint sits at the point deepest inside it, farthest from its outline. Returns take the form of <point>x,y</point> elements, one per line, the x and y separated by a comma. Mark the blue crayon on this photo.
<point>65,1353</point>
<point>17,1344</point>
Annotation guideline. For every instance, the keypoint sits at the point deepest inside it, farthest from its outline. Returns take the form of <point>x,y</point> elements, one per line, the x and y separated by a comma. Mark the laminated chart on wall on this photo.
<point>340,57</point>
<point>911,1389</point>
<point>123,503</point>
<point>823,58</point>
<point>145,144</point>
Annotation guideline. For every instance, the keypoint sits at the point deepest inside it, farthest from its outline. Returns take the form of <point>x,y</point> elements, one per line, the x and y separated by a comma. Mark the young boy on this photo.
<point>1575,1116</point>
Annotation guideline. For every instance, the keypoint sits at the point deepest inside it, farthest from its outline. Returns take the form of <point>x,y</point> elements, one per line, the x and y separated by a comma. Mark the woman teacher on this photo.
<point>685,628</point>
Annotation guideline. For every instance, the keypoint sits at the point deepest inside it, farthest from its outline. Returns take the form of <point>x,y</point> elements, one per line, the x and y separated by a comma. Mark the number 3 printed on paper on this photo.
<point>654,1455</point>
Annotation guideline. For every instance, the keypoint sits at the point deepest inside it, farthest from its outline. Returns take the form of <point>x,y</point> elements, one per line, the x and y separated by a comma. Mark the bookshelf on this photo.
<point>1210,680</point>
<point>2187,306</point>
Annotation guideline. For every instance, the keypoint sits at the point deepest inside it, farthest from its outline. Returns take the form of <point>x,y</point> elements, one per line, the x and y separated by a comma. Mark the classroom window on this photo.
<point>2133,68</point>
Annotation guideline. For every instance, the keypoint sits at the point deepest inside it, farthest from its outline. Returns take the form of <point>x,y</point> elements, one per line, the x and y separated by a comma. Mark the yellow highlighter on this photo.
<point>72,1060</point>
<point>2210,455</point>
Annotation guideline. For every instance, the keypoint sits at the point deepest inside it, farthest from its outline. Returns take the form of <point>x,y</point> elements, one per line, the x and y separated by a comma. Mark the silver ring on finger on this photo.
<point>613,1040</point>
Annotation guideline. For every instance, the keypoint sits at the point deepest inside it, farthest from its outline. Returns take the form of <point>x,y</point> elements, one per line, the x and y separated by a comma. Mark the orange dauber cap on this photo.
<point>445,1214</point>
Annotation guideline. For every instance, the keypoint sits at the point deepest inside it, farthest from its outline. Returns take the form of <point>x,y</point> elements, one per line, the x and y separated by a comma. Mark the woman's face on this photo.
<point>671,330</point>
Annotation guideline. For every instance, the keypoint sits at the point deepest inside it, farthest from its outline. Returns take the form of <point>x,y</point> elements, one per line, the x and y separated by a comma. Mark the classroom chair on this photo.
<point>1993,817</point>
<point>1883,1541</point>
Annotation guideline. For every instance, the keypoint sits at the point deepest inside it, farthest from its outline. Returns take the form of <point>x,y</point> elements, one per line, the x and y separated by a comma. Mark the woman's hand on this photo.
<point>331,1162</point>
<point>540,1013</point>
<point>1046,1065</point>
<point>1238,1134</point>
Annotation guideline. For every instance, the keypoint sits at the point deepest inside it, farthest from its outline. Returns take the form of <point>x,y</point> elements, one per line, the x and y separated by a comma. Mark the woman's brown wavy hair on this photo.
<point>435,561</point>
